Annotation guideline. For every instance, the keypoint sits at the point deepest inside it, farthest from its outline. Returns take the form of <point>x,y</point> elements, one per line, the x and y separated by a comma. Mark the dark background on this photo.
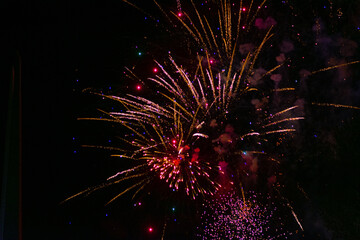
<point>67,46</point>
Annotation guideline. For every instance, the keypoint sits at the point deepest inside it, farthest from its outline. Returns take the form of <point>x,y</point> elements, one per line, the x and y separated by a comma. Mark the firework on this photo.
<point>181,136</point>
<point>174,141</point>
<point>223,108</point>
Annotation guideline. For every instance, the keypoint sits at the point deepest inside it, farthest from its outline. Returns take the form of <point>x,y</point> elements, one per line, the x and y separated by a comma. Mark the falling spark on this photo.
<point>336,105</point>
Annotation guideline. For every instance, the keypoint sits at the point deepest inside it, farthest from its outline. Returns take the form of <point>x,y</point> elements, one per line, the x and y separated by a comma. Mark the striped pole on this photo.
<point>11,190</point>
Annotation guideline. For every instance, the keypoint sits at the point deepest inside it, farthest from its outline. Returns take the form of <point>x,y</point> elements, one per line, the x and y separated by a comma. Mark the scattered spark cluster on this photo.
<point>233,217</point>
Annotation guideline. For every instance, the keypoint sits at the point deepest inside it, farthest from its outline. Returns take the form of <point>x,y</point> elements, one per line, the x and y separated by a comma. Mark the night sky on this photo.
<point>68,46</point>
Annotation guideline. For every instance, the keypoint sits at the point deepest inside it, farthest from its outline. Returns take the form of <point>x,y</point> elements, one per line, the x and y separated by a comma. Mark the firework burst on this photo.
<point>181,137</point>
<point>174,141</point>
<point>216,110</point>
